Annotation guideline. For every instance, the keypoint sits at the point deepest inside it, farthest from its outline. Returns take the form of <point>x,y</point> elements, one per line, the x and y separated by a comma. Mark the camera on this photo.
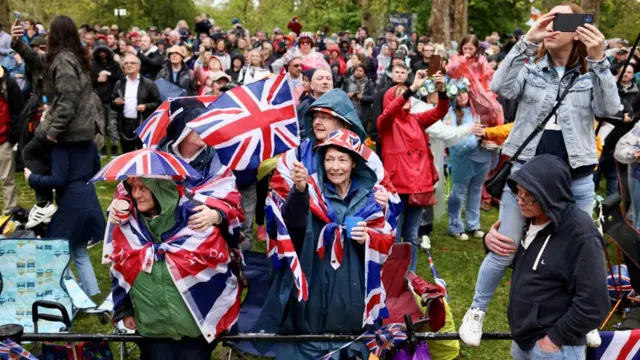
<point>588,19</point>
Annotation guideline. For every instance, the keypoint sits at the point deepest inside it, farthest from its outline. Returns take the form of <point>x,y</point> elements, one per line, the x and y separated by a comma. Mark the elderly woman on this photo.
<point>161,297</point>
<point>345,187</point>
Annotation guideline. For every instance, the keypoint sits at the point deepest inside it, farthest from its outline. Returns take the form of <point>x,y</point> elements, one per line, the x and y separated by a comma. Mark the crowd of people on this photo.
<point>384,123</point>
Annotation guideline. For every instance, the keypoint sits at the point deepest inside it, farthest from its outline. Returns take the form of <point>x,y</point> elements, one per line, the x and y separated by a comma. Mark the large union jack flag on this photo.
<point>617,345</point>
<point>154,128</point>
<point>251,123</point>
<point>198,262</point>
<point>149,162</point>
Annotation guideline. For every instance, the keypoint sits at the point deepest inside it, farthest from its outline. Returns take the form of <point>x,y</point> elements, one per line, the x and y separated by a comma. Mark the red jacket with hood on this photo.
<point>405,145</point>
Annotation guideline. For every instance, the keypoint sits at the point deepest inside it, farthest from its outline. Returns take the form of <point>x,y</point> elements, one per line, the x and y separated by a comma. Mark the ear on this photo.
<point>575,38</point>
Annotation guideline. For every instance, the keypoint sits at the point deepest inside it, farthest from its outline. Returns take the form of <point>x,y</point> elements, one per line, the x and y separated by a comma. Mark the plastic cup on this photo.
<point>350,222</point>
<point>120,209</point>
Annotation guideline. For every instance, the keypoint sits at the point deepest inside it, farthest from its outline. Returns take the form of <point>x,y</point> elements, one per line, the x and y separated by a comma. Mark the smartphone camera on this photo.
<point>588,19</point>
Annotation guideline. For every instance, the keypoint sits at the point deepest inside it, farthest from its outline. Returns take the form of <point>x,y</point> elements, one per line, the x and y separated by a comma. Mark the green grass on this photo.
<point>456,261</point>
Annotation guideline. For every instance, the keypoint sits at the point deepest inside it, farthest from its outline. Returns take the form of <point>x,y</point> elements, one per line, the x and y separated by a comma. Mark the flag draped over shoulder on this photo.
<point>198,262</point>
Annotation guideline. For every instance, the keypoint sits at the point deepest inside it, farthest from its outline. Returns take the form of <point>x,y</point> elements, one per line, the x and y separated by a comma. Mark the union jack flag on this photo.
<point>197,261</point>
<point>617,345</point>
<point>251,123</point>
<point>10,350</point>
<point>378,246</point>
<point>146,162</point>
<point>154,128</point>
<point>378,341</point>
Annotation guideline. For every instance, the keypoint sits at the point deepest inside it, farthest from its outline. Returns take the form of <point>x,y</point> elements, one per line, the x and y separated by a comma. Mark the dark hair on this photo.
<point>363,67</point>
<point>460,112</point>
<point>63,36</point>
<point>473,40</point>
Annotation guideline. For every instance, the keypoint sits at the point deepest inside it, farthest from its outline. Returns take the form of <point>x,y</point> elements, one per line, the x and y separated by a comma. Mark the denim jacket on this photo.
<point>536,87</point>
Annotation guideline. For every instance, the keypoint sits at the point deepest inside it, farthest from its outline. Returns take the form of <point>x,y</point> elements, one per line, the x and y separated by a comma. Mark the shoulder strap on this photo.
<point>544,122</point>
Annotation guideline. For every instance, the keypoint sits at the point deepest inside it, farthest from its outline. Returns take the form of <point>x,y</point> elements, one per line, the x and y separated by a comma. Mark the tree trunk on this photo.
<point>592,7</point>
<point>4,15</point>
<point>460,16</point>
<point>439,21</point>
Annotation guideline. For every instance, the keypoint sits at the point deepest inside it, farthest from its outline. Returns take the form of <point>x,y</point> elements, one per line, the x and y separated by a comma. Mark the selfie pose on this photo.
<point>570,68</point>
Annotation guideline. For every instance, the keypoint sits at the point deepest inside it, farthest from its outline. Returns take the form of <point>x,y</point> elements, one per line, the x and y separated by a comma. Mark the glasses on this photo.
<point>130,63</point>
<point>296,65</point>
<point>525,200</point>
<point>305,42</point>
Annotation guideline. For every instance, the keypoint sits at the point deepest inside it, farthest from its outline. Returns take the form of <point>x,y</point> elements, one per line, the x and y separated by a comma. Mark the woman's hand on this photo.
<point>204,218</point>
<point>27,174</point>
<point>547,346</point>
<point>478,130</point>
<point>118,211</point>
<point>129,322</point>
<point>299,176</point>
<point>17,31</point>
<point>439,80</point>
<point>539,31</point>
<point>382,198</point>
<point>421,77</point>
<point>593,39</point>
<point>359,233</point>
<point>498,243</point>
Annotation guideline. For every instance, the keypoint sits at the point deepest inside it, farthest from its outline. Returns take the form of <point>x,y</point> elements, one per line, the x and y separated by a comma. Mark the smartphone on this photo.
<point>17,15</point>
<point>435,65</point>
<point>570,22</point>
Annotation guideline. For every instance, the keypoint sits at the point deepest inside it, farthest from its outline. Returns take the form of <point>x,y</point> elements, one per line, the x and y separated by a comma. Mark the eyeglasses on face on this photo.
<point>130,63</point>
<point>527,200</point>
<point>295,65</point>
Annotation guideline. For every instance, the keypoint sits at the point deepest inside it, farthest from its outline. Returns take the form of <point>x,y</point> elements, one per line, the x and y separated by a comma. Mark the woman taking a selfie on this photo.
<point>563,60</point>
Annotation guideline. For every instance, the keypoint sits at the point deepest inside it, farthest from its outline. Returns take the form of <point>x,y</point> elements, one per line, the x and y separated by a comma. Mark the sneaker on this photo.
<point>478,234</point>
<point>425,243</point>
<point>461,237</point>
<point>593,339</point>
<point>39,215</point>
<point>262,233</point>
<point>471,328</point>
<point>93,242</point>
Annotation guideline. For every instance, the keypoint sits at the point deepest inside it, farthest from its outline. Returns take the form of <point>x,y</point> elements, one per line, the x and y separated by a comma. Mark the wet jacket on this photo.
<point>559,283</point>
<point>536,87</point>
<point>367,88</point>
<point>405,145</point>
<point>104,89</point>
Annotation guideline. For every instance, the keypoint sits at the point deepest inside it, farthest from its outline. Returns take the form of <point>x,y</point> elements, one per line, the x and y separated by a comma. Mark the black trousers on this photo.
<point>167,349</point>
<point>262,190</point>
<point>129,141</point>
<point>37,158</point>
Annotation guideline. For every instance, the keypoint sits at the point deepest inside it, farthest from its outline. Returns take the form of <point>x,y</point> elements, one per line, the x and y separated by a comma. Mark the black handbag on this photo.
<point>495,184</point>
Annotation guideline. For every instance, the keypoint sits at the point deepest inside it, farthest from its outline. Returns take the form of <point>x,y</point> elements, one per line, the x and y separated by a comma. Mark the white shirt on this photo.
<point>131,98</point>
<point>553,123</point>
<point>532,233</point>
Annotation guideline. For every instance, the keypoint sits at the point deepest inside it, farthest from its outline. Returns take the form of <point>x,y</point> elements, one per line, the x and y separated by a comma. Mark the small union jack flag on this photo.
<point>9,349</point>
<point>385,339</point>
<point>251,123</point>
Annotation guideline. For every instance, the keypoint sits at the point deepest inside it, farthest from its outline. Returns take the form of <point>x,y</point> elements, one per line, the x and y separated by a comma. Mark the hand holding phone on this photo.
<point>571,22</point>
<point>435,65</point>
<point>593,39</point>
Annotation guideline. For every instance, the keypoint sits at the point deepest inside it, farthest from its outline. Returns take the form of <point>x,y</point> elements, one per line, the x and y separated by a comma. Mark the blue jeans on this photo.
<point>565,353</point>
<point>607,167</point>
<point>512,223</point>
<point>467,183</point>
<point>87,276</point>
<point>634,184</point>
<point>408,224</point>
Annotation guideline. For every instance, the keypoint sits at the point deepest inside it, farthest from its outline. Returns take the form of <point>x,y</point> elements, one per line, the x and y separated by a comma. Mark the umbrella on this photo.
<point>154,128</point>
<point>314,60</point>
<point>148,163</point>
<point>169,90</point>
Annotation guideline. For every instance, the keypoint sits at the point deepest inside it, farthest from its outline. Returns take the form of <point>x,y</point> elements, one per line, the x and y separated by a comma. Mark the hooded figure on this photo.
<point>559,282</point>
<point>336,300</point>
<point>231,71</point>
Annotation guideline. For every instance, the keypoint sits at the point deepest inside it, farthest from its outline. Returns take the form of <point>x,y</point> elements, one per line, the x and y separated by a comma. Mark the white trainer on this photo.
<point>39,215</point>
<point>478,234</point>
<point>593,339</point>
<point>471,328</point>
<point>425,243</point>
<point>461,237</point>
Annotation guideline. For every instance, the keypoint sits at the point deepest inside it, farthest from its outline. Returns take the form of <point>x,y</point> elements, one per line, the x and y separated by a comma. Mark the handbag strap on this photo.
<point>544,122</point>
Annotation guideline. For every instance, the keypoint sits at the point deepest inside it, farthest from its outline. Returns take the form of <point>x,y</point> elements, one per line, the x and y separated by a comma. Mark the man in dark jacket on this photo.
<point>134,98</point>
<point>177,72</point>
<point>321,82</point>
<point>10,107</point>
<point>361,90</point>
<point>105,72</point>
<point>425,58</point>
<point>151,60</point>
<point>559,284</point>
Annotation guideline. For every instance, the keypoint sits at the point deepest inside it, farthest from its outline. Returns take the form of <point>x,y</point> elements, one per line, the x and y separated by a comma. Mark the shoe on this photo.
<point>93,242</point>
<point>486,206</point>
<point>478,234</point>
<point>593,339</point>
<point>461,237</point>
<point>262,233</point>
<point>425,243</point>
<point>39,215</point>
<point>471,329</point>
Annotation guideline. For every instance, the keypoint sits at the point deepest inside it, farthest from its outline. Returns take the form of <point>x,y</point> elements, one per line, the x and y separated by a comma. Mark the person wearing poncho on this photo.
<point>336,300</point>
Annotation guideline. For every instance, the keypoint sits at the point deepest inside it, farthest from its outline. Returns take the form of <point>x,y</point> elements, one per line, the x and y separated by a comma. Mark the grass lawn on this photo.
<point>456,261</point>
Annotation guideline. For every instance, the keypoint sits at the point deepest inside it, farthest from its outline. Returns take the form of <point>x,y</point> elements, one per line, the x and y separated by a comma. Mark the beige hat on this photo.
<point>217,75</point>
<point>178,50</point>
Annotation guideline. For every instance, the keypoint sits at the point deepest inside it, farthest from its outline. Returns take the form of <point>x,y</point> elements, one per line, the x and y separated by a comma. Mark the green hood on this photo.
<point>338,101</point>
<point>165,196</point>
<point>366,176</point>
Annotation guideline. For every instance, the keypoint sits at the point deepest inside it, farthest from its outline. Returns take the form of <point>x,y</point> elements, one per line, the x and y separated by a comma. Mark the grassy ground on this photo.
<point>457,263</point>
